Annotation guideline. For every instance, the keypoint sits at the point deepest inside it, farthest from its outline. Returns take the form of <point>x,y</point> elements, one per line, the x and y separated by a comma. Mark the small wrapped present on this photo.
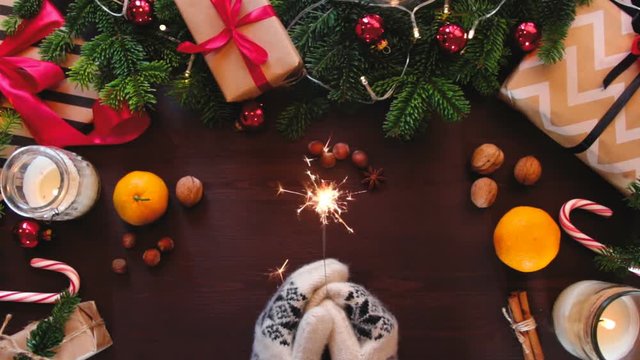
<point>54,110</point>
<point>85,336</point>
<point>245,45</point>
<point>587,102</point>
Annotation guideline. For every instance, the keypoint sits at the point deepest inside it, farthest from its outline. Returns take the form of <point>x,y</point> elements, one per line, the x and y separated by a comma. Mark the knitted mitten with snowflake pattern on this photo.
<point>282,320</point>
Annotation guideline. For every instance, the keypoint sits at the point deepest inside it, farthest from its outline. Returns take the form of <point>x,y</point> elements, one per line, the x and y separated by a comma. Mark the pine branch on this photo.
<point>295,118</point>
<point>619,259</point>
<point>26,9</point>
<point>633,200</point>
<point>11,122</point>
<point>55,47</point>
<point>11,24</point>
<point>49,332</point>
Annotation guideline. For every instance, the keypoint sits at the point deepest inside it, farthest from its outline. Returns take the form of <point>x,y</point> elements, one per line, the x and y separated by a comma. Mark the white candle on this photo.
<point>41,182</point>
<point>618,327</point>
<point>48,183</point>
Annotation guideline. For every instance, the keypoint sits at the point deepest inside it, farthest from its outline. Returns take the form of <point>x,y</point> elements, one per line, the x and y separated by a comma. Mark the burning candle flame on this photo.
<point>607,323</point>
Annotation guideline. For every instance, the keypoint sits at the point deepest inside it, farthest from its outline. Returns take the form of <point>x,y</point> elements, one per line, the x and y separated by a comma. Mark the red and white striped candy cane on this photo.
<point>44,298</point>
<point>582,238</point>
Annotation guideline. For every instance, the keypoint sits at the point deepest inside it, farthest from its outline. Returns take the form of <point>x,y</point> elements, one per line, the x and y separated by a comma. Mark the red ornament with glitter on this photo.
<point>140,12</point>
<point>252,117</point>
<point>528,36</point>
<point>370,28</point>
<point>452,38</point>
<point>27,233</point>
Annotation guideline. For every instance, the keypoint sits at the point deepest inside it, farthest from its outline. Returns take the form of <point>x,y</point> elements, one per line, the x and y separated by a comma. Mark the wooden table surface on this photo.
<point>419,243</point>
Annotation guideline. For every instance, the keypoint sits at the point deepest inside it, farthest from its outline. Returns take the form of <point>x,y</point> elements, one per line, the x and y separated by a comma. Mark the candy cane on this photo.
<point>582,238</point>
<point>44,298</point>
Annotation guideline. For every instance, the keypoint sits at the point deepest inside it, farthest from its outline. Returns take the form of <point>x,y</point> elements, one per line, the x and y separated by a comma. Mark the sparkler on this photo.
<point>279,272</point>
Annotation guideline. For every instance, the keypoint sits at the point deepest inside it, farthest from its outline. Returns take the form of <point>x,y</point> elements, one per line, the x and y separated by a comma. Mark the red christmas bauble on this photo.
<point>252,116</point>
<point>528,36</point>
<point>452,38</point>
<point>27,232</point>
<point>370,28</point>
<point>140,12</point>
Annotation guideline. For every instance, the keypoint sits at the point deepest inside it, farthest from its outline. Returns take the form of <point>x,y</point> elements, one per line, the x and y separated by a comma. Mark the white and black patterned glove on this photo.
<point>287,317</point>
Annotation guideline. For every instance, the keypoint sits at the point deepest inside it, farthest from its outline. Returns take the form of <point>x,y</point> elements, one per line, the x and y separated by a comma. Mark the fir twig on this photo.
<point>50,332</point>
<point>296,117</point>
<point>619,259</point>
<point>633,200</point>
<point>11,121</point>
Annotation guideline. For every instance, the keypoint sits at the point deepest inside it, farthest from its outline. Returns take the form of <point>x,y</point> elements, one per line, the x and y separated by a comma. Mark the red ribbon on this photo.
<point>22,78</point>
<point>253,54</point>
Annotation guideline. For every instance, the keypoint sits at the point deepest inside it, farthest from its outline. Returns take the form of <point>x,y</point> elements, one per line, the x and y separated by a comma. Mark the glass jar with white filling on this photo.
<point>48,183</point>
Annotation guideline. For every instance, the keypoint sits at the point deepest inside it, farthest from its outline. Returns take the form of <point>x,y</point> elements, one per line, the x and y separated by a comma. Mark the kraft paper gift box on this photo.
<point>67,99</point>
<point>85,336</point>
<point>227,64</point>
<point>567,99</point>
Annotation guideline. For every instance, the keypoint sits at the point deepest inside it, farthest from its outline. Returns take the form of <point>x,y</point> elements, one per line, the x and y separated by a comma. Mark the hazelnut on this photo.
<point>316,148</point>
<point>484,192</point>
<point>360,159</point>
<point>341,151</point>
<point>119,266</point>
<point>165,244</point>
<point>151,257</point>
<point>528,170</point>
<point>328,160</point>
<point>128,240</point>
<point>486,159</point>
<point>189,191</point>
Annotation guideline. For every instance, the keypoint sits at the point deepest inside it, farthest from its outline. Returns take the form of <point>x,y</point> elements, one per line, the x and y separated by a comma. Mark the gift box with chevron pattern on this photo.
<point>567,100</point>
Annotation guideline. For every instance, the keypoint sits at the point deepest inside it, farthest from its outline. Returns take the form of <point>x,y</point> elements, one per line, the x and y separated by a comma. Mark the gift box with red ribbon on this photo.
<point>244,43</point>
<point>54,110</point>
<point>588,102</point>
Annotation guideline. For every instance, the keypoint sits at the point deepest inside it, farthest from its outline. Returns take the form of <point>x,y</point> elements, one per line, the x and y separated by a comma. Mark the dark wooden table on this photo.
<point>420,244</point>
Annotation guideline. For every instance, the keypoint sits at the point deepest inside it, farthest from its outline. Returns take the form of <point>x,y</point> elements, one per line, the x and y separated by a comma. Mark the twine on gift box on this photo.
<point>520,328</point>
<point>17,350</point>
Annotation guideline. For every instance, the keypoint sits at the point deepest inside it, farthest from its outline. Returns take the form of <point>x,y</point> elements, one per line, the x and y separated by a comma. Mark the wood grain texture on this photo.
<point>420,245</point>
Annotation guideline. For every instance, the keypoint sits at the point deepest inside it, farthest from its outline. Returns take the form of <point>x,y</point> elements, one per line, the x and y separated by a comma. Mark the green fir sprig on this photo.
<point>619,259</point>
<point>633,200</point>
<point>49,333</point>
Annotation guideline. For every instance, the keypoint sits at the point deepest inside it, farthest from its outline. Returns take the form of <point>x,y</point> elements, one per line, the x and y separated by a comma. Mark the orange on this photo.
<point>526,239</point>
<point>140,197</point>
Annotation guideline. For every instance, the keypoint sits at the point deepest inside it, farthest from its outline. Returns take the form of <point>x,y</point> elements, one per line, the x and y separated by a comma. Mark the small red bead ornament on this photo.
<point>140,12</point>
<point>528,36</point>
<point>370,28</point>
<point>452,38</point>
<point>27,233</point>
<point>252,117</point>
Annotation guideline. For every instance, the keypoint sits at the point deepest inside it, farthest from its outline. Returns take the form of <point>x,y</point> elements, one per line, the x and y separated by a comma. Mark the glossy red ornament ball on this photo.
<point>27,232</point>
<point>140,12</point>
<point>452,38</point>
<point>252,116</point>
<point>528,36</point>
<point>370,28</point>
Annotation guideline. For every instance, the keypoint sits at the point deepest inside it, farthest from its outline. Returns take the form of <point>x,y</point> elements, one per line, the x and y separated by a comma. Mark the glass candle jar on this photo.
<point>595,320</point>
<point>48,183</point>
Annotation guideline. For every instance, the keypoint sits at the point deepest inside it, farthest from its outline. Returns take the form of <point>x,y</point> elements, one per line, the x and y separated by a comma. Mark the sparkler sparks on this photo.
<point>278,272</point>
<point>326,198</point>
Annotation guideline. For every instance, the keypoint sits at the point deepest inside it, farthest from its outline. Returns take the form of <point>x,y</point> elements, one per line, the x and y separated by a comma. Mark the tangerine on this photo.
<point>140,197</point>
<point>526,239</point>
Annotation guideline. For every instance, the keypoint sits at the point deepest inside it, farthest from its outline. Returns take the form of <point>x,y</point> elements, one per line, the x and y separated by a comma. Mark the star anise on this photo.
<point>373,177</point>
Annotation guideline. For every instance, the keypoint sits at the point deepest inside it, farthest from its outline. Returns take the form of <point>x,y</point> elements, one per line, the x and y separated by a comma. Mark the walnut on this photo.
<point>528,170</point>
<point>189,191</point>
<point>486,159</point>
<point>484,192</point>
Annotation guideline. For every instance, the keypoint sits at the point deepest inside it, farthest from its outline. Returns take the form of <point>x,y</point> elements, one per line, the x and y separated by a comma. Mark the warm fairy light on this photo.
<point>279,272</point>
<point>607,323</point>
<point>162,27</point>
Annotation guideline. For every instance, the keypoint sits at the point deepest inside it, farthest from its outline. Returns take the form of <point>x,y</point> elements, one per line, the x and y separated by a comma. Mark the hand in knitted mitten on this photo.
<point>281,321</point>
<point>362,327</point>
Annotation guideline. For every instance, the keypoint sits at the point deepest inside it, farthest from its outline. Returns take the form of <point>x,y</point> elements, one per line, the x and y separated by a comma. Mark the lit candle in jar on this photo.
<point>48,183</point>
<point>595,320</point>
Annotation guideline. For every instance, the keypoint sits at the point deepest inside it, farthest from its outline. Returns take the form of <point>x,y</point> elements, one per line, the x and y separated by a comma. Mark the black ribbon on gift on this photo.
<point>626,95</point>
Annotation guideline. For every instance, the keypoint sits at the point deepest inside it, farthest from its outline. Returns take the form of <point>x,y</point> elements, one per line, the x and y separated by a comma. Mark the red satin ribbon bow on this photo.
<point>22,78</point>
<point>253,54</point>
